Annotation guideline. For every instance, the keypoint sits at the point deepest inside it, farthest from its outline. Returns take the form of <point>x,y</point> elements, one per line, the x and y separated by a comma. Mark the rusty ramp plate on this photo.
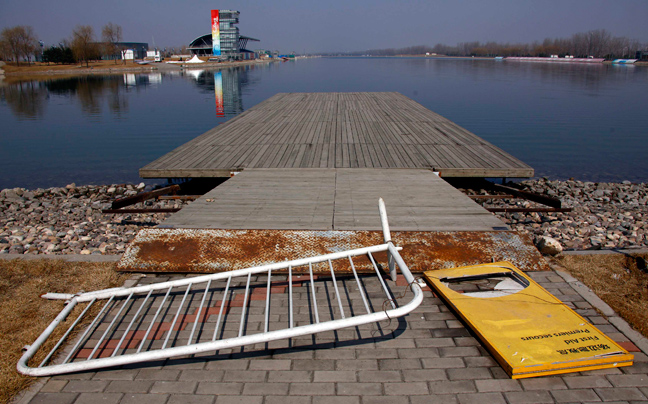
<point>214,250</point>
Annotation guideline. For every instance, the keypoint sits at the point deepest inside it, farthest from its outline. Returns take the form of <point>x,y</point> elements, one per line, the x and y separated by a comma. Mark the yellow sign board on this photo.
<point>526,329</point>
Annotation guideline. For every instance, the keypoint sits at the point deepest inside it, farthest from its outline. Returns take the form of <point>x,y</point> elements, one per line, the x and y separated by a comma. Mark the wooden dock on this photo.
<point>335,199</point>
<point>337,130</point>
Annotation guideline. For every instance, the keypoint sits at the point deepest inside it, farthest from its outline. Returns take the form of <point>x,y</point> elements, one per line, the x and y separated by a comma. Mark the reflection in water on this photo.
<point>27,100</point>
<point>226,84</point>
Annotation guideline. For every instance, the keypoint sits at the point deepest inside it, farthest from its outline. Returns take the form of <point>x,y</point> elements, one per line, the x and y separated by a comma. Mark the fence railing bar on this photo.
<point>337,291</point>
<point>382,281</point>
<point>105,334</point>
<point>157,313</point>
<point>199,312</point>
<point>290,298</point>
<point>90,327</point>
<point>267,308</point>
<point>220,312</point>
<point>312,285</point>
<point>245,299</point>
<point>69,330</point>
<point>175,318</point>
<point>139,310</point>
<point>360,288</point>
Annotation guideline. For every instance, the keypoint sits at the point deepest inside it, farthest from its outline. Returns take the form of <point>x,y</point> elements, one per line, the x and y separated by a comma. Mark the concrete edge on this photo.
<point>64,257</point>
<point>603,252</point>
<point>639,340</point>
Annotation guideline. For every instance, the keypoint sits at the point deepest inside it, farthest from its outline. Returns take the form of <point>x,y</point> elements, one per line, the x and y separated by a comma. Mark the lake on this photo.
<point>587,122</point>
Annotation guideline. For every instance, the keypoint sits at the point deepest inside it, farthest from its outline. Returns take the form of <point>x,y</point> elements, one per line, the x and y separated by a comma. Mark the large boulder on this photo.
<point>548,245</point>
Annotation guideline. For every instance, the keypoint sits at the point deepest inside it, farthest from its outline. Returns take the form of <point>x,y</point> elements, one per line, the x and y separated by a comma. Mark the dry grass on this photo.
<point>25,314</point>
<point>617,280</point>
<point>44,67</point>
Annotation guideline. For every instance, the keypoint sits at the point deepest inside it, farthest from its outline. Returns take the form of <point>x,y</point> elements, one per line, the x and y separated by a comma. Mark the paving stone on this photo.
<point>399,364</point>
<point>469,374</point>
<point>336,400</point>
<point>193,399</point>
<point>266,389</point>
<point>128,386</point>
<point>189,363</point>
<point>357,364</point>
<point>442,363</point>
<point>621,393</point>
<point>159,374</point>
<point>380,376</point>
<point>312,389</point>
<point>290,376</point>
<point>544,383</point>
<point>480,398</point>
<point>103,398</point>
<point>359,389</point>
<point>202,375</point>
<point>462,352</point>
<point>228,364</point>
<point>288,400</point>
<point>452,387</point>
<point>492,385</point>
<point>575,395</point>
<point>334,376</point>
<point>313,364</point>
<point>183,387</point>
<point>419,375</point>
<point>116,374</point>
<point>339,353</point>
<point>388,353</point>
<point>434,399</point>
<point>245,376</point>
<point>636,380</point>
<point>273,364</point>
<point>144,398</point>
<point>406,389</point>
<point>435,342</point>
<point>418,353</point>
<point>384,400</point>
<point>528,397</point>
<point>585,382</point>
<point>85,386</point>
<point>480,361</point>
<point>217,388</point>
<point>53,398</point>
<point>53,386</point>
<point>395,343</point>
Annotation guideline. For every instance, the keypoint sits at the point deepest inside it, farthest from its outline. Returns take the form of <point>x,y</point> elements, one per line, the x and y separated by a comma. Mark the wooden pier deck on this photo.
<point>337,130</point>
<point>335,199</point>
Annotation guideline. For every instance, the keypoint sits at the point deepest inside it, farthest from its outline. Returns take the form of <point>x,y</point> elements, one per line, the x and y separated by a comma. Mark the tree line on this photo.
<point>598,43</point>
<point>20,44</point>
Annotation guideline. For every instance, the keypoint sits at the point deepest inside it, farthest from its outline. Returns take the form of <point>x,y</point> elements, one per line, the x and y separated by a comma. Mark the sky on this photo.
<point>305,26</point>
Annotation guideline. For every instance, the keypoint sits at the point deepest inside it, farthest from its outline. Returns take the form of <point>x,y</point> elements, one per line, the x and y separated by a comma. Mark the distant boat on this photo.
<point>624,61</point>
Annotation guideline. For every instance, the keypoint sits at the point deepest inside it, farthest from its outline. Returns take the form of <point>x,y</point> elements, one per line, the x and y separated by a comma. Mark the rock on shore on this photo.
<point>603,216</point>
<point>69,220</point>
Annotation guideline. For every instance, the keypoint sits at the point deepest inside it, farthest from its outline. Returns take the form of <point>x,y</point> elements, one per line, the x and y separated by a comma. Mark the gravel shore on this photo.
<point>69,220</point>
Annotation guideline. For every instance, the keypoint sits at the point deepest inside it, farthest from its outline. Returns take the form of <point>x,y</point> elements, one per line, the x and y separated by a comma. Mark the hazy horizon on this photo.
<point>336,26</point>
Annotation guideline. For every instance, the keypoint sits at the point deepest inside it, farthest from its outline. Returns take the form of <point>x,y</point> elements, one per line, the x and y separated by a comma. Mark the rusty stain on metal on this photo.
<point>213,250</point>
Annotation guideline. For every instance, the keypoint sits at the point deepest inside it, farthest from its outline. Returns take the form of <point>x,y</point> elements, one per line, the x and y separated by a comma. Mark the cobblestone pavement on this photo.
<point>427,357</point>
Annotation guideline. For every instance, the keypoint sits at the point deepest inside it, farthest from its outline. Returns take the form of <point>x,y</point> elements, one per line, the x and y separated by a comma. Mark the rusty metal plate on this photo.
<point>213,250</point>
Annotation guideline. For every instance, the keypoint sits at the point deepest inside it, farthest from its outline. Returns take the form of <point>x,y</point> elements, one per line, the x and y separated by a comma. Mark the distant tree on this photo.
<point>18,42</point>
<point>58,54</point>
<point>111,34</point>
<point>83,44</point>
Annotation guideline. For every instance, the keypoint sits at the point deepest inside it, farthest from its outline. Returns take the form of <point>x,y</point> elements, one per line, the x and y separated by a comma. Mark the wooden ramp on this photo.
<point>335,199</point>
<point>337,130</point>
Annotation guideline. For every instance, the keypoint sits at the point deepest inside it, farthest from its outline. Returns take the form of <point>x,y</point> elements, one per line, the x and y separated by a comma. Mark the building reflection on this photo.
<point>226,85</point>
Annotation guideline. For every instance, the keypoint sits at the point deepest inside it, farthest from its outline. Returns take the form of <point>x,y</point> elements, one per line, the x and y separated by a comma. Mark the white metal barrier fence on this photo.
<point>218,311</point>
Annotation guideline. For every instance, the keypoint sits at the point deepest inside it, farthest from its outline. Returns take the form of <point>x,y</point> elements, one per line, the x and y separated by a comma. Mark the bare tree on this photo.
<point>111,35</point>
<point>83,43</point>
<point>19,41</point>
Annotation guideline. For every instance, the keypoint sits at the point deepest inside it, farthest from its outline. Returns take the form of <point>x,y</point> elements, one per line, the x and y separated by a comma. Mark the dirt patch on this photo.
<point>618,279</point>
<point>25,314</point>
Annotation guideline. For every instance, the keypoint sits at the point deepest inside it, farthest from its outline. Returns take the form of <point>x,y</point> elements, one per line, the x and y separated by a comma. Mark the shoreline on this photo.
<point>80,70</point>
<point>68,220</point>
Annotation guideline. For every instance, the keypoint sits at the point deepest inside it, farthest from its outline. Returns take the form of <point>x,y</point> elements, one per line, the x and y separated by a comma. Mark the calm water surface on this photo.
<point>585,122</point>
